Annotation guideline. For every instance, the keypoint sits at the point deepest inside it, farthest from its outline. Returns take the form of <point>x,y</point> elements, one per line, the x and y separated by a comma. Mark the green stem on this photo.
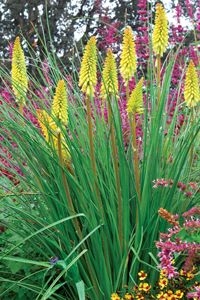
<point>135,154</point>
<point>21,106</point>
<point>117,175</point>
<point>90,134</point>
<point>66,186</point>
<point>192,146</point>
<point>158,59</point>
<point>92,154</point>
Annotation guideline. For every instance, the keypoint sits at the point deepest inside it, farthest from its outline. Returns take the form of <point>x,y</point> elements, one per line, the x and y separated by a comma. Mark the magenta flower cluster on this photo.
<point>188,189</point>
<point>180,239</point>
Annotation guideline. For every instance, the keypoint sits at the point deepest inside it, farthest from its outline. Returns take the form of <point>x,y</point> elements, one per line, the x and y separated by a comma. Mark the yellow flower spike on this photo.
<point>19,73</point>
<point>128,59</point>
<point>88,70</point>
<point>50,132</point>
<point>109,84</point>
<point>59,105</point>
<point>160,31</point>
<point>191,88</point>
<point>135,102</point>
<point>47,124</point>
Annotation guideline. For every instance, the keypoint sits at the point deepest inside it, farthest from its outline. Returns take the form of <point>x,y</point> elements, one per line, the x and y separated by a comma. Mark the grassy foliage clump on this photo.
<point>79,193</point>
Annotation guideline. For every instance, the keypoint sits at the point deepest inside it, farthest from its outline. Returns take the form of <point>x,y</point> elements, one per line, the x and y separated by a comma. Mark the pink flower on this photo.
<point>195,294</point>
<point>193,211</point>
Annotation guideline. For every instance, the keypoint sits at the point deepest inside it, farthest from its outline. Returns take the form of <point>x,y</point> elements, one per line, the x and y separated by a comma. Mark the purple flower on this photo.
<point>195,294</point>
<point>53,260</point>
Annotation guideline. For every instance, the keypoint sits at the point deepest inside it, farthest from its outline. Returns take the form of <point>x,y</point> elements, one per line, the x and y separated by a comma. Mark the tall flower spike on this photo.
<point>128,61</point>
<point>160,31</point>
<point>18,73</point>
<point>47,124</point>
<point>59,105</point>
<point>88,71</point>
<point>50,133</point>
<point>109,84</point>
<point>191,88</point>
<point>135,102</point>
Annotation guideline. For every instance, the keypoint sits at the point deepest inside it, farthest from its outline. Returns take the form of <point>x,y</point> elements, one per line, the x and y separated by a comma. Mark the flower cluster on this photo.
<point>181,240</point>
<point>188,189</point>
<point>175,282</point>
<point>183,287</point>
<point>48,123</point>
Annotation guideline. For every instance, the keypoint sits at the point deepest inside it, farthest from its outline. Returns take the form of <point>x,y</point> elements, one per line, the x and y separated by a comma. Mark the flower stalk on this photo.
<point>87,83</point>
<point>52,133</point>
<point>116,170</point>
<point>135,105</point>
<point>109,91</point>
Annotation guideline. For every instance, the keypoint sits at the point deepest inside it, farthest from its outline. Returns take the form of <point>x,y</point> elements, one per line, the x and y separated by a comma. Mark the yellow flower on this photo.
<point>47,124</point>
<point>160,31</point>
<point>168,296</point>
<point>144,286</point>
<point>128,61</point>
<point>163,273</point>
<point>179,294</point>
<point>109,84</point>
<point>142,275</point>
<point>59,105</point>
<point>163,282</point>
<point>140,297</point>
<point>128,297</point>
<point>50,131</point>
<point>191,88</point>
<point>135,102</point>
<point>115,296</point>
<point>18,73</point>
<point>88,71</point>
